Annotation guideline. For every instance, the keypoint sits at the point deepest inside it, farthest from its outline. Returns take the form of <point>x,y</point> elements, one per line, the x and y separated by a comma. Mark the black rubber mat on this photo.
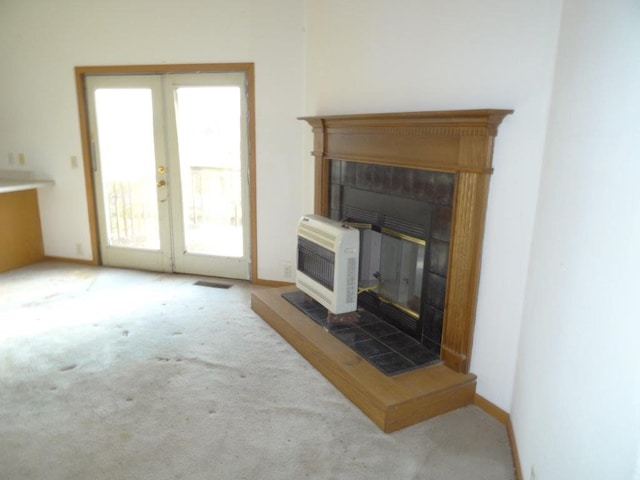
<point>212,284</point>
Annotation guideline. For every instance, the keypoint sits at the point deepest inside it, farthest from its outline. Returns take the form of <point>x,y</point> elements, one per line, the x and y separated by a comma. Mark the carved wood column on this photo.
<point>464,269</point>
<point>321,168</point>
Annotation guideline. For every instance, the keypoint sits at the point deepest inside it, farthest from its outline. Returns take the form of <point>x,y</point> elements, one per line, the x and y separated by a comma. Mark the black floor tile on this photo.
<point>379,329</point>
<point>351,335</point>
<point>366,318</point>
<point>392,363</point>
<point>381,344</point>
<point>342,326</point>
<point>370,348</point>
<point>419,354</point>
<point>399,340</point>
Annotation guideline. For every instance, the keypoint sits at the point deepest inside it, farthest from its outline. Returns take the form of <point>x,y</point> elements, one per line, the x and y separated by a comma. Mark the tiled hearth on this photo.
<point>392,402</point>
<point>385,347</point>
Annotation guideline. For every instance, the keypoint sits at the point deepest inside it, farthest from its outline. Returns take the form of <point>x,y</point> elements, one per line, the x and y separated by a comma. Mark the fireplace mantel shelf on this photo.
<point>451,141</point>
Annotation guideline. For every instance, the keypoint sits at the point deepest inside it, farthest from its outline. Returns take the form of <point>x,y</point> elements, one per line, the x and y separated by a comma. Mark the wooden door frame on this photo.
<point>82,72</point>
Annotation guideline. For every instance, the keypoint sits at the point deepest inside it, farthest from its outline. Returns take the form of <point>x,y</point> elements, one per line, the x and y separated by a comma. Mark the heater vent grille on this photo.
<point>327,267</point>
<point>361,214</point>
<point>316,261</point>
<point>399,319</point>
<point>402,226</point>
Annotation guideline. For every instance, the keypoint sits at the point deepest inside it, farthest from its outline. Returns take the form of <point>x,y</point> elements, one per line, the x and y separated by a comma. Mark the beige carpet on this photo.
<point>116,374</point>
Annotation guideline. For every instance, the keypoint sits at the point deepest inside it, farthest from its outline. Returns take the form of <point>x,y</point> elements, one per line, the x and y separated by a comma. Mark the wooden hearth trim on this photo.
<point>392,403</point>
<point>460,142</point>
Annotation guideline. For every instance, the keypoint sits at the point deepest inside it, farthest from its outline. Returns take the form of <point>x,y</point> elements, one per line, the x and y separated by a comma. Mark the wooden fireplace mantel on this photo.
<point>456,141</point>
<point>459,142</point>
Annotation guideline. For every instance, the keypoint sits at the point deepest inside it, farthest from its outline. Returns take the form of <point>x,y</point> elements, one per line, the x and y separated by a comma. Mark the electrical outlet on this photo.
<point>287,270</point>
<point>79,249</point>
<point>21,159</point>
<point>74,161</point>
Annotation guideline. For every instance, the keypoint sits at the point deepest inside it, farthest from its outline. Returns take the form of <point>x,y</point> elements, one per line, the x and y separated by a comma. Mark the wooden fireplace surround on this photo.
<point>459,142</point>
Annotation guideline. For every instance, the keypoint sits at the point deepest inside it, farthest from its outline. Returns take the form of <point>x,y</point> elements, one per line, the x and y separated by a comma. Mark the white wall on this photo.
<point>575,401</point>
<point>576,406</point>
<point>41,41</point>
<point>384,55</point>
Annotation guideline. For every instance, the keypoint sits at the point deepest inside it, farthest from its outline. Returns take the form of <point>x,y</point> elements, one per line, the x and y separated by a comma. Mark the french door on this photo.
<point>170,171</point>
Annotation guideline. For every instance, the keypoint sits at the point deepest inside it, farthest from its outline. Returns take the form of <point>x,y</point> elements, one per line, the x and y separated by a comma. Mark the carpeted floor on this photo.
<point>118,374</point>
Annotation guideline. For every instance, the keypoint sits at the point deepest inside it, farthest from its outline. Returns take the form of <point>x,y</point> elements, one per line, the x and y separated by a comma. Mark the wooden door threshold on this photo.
<point>391,402</point>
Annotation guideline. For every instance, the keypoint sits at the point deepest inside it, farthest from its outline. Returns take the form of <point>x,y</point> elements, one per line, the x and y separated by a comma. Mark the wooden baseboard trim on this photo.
<point>505,419</point>
<point>514,450</point>
<point>270,283</point>
<point>492,409</point>
<point>79,261</point>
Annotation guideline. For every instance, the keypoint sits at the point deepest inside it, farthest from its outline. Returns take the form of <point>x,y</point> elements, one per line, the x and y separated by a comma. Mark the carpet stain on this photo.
<point>68,367</point>
<point>125,333</point>
<point>177,359</point>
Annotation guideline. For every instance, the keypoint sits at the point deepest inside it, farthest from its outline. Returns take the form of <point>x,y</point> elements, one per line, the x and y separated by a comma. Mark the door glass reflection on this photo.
<point>209,140</point>
<point>127,163</point>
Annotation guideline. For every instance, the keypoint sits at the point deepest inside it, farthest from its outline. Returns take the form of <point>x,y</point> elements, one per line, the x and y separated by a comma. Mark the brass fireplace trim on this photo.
<point>455,141</point>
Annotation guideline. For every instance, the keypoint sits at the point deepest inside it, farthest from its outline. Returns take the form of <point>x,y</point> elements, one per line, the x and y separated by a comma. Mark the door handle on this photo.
<point>161,183</point>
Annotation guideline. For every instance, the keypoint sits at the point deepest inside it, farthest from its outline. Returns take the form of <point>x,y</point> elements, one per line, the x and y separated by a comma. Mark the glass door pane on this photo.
<point>127,164</point>
<point>171,170</point>
<point>209,144</point>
